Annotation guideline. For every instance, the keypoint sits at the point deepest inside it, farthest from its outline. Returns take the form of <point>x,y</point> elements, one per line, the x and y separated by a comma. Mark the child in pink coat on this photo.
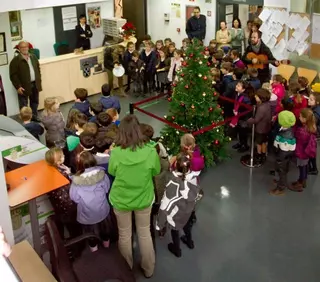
<point>278,88</point>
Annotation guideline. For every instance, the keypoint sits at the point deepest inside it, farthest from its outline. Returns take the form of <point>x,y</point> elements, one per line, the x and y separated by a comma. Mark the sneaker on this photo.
<point>94,249</point>
<point>243,148</point>
<point>236,146</point>
<point>189,243</point>
<point>313,172</point>
<point>277,192</point>
<point>173,250</point>
<point>106,244</point>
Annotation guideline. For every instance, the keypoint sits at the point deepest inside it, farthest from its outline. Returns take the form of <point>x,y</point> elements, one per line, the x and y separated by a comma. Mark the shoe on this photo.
<point>189,243</point>
<point>297,186</point>
<point>236,146</point>
<point>94,249</point>
<point>173,250</point>
<point>106,244</point>
<point>127,89</point>
<point>298,182</point>
<point>277,192</point>
<point>313,172</point>
<point>144,274</point>
<point>243,148</point>
<point>35,119</point>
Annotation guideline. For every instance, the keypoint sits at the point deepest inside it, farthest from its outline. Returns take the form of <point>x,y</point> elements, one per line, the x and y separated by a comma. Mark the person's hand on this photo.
<point>137,70</point>
<point>254,61</point>
<point>20,90</point>
<point>5,249</point>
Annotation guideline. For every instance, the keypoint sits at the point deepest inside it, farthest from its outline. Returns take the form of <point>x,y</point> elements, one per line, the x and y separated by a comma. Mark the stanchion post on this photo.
<point>131,109</point>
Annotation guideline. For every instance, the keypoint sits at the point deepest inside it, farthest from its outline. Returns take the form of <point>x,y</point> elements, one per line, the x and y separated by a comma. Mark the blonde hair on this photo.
<point>310,120</point>
<point>49,104</point>
<point>112,112</point>
<point>187,141</point>
<point>51,155</point>
<point>26,113</point>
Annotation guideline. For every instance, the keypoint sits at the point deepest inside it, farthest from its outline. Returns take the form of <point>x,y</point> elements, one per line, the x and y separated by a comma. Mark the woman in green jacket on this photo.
<point>134,164</point>
<point>237,35</point>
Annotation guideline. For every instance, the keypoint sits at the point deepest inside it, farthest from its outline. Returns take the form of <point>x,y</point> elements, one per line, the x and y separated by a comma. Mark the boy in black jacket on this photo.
<point>127,57</point>
<point>82,104</point>
<point>33,128</point>
<point>136,72</point>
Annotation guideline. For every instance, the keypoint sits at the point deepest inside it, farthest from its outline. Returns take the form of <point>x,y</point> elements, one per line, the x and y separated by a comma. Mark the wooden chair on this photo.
<point>307,73</point>
<point>104,265</point>
<point>286,71</point>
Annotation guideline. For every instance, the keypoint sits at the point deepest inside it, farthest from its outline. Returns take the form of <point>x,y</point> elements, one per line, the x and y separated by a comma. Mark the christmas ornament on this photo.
<point>206,49</point>
<point>182,74</point>
<point>215,94</point>
<point>169,99</point>
<point>192,106</point>
<point>191,55</point>
<point>200,62</point>
<point>204,94</point>
<point>174,85</point>
<point>173,117</point>
<point>205,56</point>
<point>182,104</point>
<point>218,106</point>
<point>165,118</point>
<point>187,86</point>
<point>205,78</point>
<point>216,142</point>
<point>222,112</point>
<point>229,139</point>
<point>208,64</point>
<point>210,109</point>
<point>177,132</point>
<point>184,63</point>
<point>200,75</point>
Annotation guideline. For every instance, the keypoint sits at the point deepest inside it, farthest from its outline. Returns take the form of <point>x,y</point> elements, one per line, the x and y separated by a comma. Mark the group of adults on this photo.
<point>235,38</point>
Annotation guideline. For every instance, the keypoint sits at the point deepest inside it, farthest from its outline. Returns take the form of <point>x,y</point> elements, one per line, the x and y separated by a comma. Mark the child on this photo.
<point>214,51</point>
<point>149,57</point>
<point>299,101</point>
<point>240,123</point>
<point>87,141</point>
<point>107,100</point>
<point>114,115</point>
<point>227,72</point>
<point>159,46</point>
<point>127,58</point>
<point>64,208</point>
<point>278,88</point>
<point>175,65</point>
<point>253,78</point>
<point>33,128</point>
<point>103,145</point>
<point>95,109</point>
<point>237,63</point>
<point>262,121</point>
<point>167,42</point>
<point>306,147</point>
<point>314,104</point>
<point>171,49</point>
<point>285,145</point>
<point>70,126</point>
<point>185,44</point>
<point>136,72</point>
<point>177,204</point>
<point>162,68</point>
<point>82,104</point>
<point>104,120</point>
<point>80,121</point>
<point>304,84</point>
<point>53,122</point>
<point>91,128</point>
<point>89,190</point>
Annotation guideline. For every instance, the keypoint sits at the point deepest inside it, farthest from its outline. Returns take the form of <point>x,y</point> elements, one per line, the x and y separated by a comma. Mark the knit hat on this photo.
<point>72,142</point>
<point>286,119</point>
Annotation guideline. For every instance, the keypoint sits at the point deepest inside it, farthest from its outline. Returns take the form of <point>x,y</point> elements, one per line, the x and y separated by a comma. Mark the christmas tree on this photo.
<point>194,107</point>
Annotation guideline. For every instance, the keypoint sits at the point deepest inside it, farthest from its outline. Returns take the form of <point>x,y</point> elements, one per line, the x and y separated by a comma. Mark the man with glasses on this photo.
<point>196,25</point>
<point>26,78</point>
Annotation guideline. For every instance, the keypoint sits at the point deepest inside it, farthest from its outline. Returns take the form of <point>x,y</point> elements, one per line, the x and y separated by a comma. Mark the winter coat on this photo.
<point>316,112</point>
<point>255,83</point>
<point>306,143</point>
<point>109,102</point>
<point>299,106</point>
<point>150,61</point>
<point>133,187</point>
<point>227,78</point>
<point>135,70</point>
<point>239,64</point>
<point>20,73</point>
<point>196,27</point>
<point>54,125</point>
<point>127,59</point>
<point>83,107</point>
<point>34,128</point>
<point>89,191</point>
<point>174,66</point>
<point>262,119</point>
<point>280,92</point>
<point>284,144</point>
<point>178,201</point>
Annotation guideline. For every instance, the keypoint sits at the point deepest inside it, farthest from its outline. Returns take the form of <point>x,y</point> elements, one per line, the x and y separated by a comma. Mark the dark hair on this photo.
<point>81,94</point>
<point>258,32</point>
<point>81,119</point>
<point>252,72</point>
<point>147,130</point>
<point>82,16</point>
<point>87,141</point>
<point>130,43</point>
<point>71,119</point>
<point>159,41</point>
<point>235,53</point>
<point>103,143</point>
<point>227,66</point>
<point>146,37</point>
<point>86,160</point>
<point>223,22</point>
<point>96,107</point>
<point>238,73</point>
<point>135,54</point>
<point>186,40</point>
<point>316,97</point>
<point>287,104</point>
<point>130,135</point>
<point>264,95</point>
<point>183,164</point>
<point>168,39</point>
<point>249,22</point>
<point>91,128</point>
<point>104,119</point>
<point>303,81</point>
<point>213,41</point>
<point>172,44</point>
<point>105,89</point>
<point>236,19</point>
<point>249,90</point>
<point>179,52</point>
<point>197,7</point>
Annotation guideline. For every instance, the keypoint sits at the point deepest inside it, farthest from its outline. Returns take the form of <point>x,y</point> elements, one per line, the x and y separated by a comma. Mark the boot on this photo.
<point>313,172</point>
<point>298,186</point>
<point>175,251</point>
<point>127,89</point>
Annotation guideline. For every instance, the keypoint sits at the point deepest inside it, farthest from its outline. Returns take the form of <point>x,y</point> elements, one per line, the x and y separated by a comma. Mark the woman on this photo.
<point>134,164</point>
<point>84,33</point>
<point>223,36</point>
<point>237,35</point>
<point>114,57</point>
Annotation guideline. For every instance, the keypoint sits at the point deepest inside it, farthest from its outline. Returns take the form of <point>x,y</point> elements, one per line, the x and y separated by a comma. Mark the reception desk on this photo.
<point>61,75</point>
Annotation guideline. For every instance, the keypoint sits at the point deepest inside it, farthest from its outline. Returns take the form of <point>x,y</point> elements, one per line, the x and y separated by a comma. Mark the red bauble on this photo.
<point>215,94</point>
<point>173,117</point>
<point>206,49</point>
<point>209,64</point>
<point>218,106</point>
<point>182,104</point>
<point>222,112</point>
<point>213,124</point>
<point>192,106</point>
<point>191,55</point>
<point>187,86</point>
<point>205,78</point>
<point>182,74</point>
<point>184,63</point>
<point>216,142</point>
<point>174,85</point>
<point>210,109</point>
<point>169,99</point>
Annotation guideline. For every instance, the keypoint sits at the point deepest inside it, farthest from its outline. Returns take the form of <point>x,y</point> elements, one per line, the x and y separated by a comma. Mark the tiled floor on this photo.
<point>248,236</point>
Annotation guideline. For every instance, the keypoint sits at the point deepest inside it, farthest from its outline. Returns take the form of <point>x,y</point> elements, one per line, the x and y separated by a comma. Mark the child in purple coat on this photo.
<point>237,63</point>
<point>306,147</point>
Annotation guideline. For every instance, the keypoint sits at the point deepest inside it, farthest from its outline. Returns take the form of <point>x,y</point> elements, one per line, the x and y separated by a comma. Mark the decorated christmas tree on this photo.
<point>194,108</point>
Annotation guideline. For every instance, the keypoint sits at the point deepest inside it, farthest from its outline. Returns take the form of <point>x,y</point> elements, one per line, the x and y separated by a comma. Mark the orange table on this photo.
<point>29,182</point>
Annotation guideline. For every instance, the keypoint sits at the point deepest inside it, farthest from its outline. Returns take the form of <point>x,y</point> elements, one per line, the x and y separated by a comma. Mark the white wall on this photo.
<point>278,3</point>
<point>38,29</point>
<point>10,93</point>
<point>159,29</point>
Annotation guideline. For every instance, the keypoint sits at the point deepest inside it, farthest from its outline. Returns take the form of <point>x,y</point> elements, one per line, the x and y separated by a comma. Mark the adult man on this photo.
<point>26,78</point>
<point>259,48</point>
<point>196,25</point>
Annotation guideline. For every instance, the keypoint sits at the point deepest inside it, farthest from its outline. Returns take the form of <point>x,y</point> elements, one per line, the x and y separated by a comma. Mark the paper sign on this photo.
<point>292,44</point>
<point>316,28</point>
<point>265,14</point>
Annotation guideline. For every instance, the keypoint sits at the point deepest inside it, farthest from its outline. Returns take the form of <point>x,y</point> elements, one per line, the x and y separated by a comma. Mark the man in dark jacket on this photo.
<point>259,48</point>
<point>196,25</point>
<point>26,78</point>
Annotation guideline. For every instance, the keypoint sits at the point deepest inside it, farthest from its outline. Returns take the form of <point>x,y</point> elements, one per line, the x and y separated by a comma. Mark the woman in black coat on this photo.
<point>84,33</point>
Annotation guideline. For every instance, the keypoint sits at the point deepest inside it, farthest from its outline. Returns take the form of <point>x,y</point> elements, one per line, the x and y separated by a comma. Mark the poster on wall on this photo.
<point>208,13</point>
<point>3,47</point>
<point>69,17</point>
<point>94,16</point>
<point>15,25</point>
<point>189,12</point>
<point>118,8</point>
<point>229,9</point>
<point>176,10</point>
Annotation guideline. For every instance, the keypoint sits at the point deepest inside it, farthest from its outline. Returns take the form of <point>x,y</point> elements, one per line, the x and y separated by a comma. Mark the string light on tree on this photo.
<point>200,75</point>
<point>200,62</point>
<point>204,94</point>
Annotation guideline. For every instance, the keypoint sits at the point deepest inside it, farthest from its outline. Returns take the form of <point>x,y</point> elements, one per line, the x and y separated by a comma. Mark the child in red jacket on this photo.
<point>299,101</point>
